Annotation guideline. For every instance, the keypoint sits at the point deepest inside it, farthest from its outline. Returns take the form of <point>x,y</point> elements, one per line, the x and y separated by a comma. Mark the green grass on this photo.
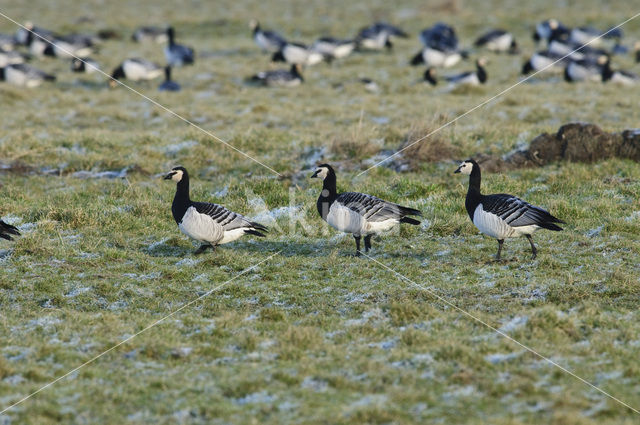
<point>312,335</point>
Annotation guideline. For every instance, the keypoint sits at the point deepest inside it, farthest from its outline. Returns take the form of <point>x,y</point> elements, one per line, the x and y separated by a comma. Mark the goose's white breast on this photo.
<point>200,227</point>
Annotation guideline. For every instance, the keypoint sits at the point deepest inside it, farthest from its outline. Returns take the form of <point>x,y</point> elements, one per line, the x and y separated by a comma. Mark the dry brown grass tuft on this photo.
<point>436,147</point>
<point>360,141</point>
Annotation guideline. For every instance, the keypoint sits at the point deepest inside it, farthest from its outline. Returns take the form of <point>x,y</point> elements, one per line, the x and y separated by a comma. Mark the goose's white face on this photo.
<point>465,168</point>
<point>175,175</point>
<point>321,173</point>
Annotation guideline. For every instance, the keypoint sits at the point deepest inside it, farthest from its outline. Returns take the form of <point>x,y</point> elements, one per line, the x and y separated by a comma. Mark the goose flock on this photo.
<point>582,53</point>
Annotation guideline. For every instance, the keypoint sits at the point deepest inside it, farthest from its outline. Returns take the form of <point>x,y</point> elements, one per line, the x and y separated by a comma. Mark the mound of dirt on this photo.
<point>574,142</point>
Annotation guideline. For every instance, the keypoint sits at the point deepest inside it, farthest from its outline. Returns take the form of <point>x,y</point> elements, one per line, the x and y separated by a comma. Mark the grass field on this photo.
<point>312,334</point>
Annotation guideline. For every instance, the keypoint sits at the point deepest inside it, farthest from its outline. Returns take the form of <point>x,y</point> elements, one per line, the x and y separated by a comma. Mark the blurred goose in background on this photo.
<point>168,84</point>
<point>434,57</point>
<point>502,216</point>
<point>135,69</point>
<point>268,41</point>
<point>378,36</point>
<point>10,57</point>
<point>636,51</point>
<point>24,75</point>
<point>72,45</point>
<point>8,231</point>
<point>7,42</point>
<point>22,34</point>
<point>588,69</point>
<point>550,29</point>
<point>177,54</point>
<point>584,35</point>
<point>150,34</point>
<point>210,224</point>
<point>499,41</point>
<point>333,48</point>
<point>279,77</point>
<point>358,213</point>
<point>622,77</point>
<point>472,78</point>
<point>440,36</point>
<point>84,65</point>
<point>297,53</point>
<point>544,60</point>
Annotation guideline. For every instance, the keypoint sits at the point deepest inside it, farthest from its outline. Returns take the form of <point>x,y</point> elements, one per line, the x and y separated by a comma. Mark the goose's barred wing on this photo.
<point>228,219</point>
<point>516,212</point>
<point>6,230</point>
<point>374,209</point>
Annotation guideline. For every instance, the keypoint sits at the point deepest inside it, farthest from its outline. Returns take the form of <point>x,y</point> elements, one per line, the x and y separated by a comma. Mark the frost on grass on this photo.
<point>501,358</point>
<point>515,323</point>
<point>254,398</point>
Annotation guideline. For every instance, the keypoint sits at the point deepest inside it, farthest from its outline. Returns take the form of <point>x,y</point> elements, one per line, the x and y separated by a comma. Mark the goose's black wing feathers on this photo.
<point>225,217</point>
<point>373,208</point>
<point>6,230</point>
<point>516,212</point>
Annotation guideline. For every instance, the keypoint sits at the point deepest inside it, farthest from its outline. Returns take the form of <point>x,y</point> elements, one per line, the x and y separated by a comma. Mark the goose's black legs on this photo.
<point>357,238</point>
<point>500,242</point>
<point>367,243</point>
<point>534,251</point>
<point>203,248</point>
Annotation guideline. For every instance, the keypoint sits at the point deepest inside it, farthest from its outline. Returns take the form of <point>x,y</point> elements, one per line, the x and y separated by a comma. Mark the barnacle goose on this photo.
<point>333,48</point>
<point>168,84</point>
<point>546,60</point>
<point>268,41</point>
<point>358,213</point>
<point>25,75</point>
<point>7,42</point>
<point>472,78</point>
<point>618,76</point>
<point>378,36</point>
<point>22,34</point>
<point>437,57</point>
<point>279,77</point>
<point>499,41</point>
<point>636,51</point>
<point>154,34</point>
<point>72,45</point>
<point>550,29</point>
<point>177,54</point>
<point>503,216</point>
<point>7,231</point>
<point>135,69</point>
<point>588,69</point>
<point>10,57</point>
<point>297,53</point>
<point>84,65</point>
<point>440,36</point>
<point>210,224</point>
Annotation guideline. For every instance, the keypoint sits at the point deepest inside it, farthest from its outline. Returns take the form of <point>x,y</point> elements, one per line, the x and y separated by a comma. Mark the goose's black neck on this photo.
<point>473,193</point>
<point>482,76</point>
<point>181,201</point>
<point>328,195</point>
<point>171,35</point>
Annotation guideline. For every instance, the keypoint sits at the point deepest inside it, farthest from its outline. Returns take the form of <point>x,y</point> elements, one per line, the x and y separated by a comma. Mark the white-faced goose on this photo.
<point>333,48</point>
<point>618,76</point>
<point>297,54</point>
<point>378,36</point>
<point>210,224</point>
<point>10,57</point>
<point>177,54</point>
<point>8,231</point>
<point>472,78</point>
<point>24,75</point>
<point>168,84</point>
<point>587,69</point>
<point>135,69</point>
<point>502,216</point>
<point>499,41</point>
<point>267,40</point>
<point>279,77</point>
<point>358,213</point>
<point>150,34</point>
<point>84,65</point>
<point>544,60</point>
